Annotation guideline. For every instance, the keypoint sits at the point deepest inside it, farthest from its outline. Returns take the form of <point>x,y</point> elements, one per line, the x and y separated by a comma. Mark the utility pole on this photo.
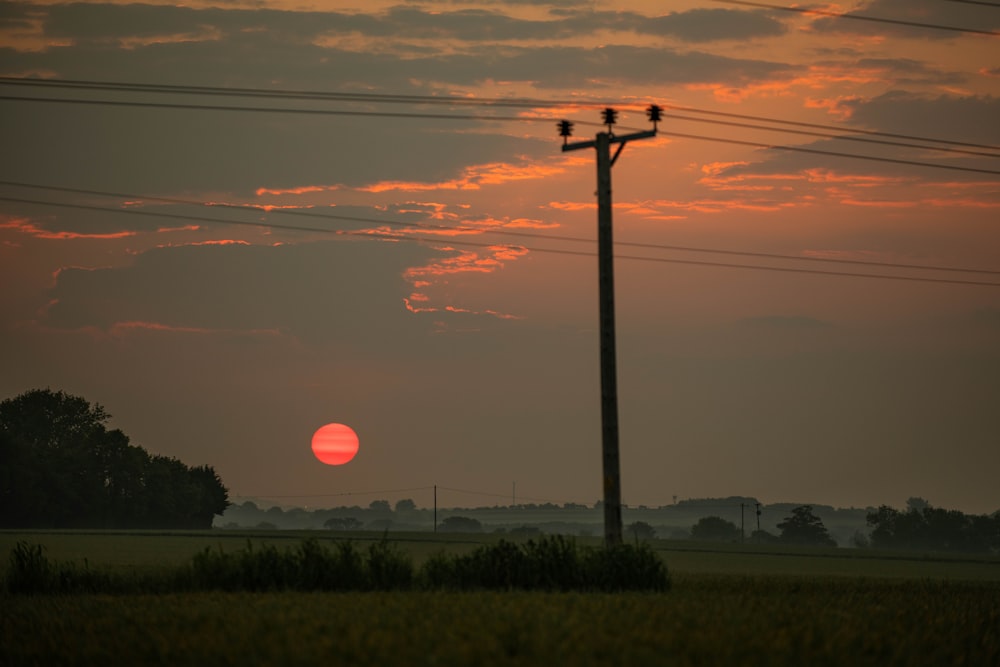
<point>606,286</point>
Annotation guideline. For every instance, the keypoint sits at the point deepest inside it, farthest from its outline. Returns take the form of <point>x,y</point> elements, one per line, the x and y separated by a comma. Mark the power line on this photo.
<point>391,114</point>
<point>841,137</point>
<point>499,232</point>
<point>977,2</point>
<point>337,495</point>
<point>497,495</point>
<point>819,151</point>
<point>379,98</point>
<point>558,251</point>
<point>313,112</point>
<point>861,17</point>
<point>822,126</point>
<point>828,135</point>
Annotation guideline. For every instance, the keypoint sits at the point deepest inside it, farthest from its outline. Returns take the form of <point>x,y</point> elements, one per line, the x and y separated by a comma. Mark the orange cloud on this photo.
<point>818,77</point>
<point>572,206</point>
<point>472,178</point>
<point>302,190</point>
<point>838,107</point>
<point>24,226</point>
<point>120,329</point>
<point>482,261</point>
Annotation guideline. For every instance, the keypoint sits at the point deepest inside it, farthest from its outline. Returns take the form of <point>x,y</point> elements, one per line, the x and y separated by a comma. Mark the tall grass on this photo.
<point>550,563</point>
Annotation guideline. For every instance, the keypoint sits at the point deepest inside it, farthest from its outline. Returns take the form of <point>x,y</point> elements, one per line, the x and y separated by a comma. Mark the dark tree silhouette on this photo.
<point>60,466</point>
<point>804,527</point>
<point>640,530</point>
<point>929,528</point>
<point>461,524</point>
<point>715,528</point>
<point>405,505</point>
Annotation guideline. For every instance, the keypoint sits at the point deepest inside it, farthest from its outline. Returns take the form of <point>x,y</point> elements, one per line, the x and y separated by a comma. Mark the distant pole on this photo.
<point>606,286</point>
<point>758,520</point>
<point>435,508</point>
<point>743,532</point>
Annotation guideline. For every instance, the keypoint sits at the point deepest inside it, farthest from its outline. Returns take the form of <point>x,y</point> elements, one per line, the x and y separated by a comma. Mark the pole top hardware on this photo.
<point>610,117</point>
<point>655,114</point>
<point>565,130</point>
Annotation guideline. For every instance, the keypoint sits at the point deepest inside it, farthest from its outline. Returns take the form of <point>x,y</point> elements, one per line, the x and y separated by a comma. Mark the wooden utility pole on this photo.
<point>606,287</point>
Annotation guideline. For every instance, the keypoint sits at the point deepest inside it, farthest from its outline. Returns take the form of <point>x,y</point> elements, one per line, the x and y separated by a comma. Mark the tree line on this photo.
<point>924,527</point>
<point>62,467</point>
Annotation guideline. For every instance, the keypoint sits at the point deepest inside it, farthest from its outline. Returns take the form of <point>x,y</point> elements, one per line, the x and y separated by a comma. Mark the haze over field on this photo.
<point>468,358</point>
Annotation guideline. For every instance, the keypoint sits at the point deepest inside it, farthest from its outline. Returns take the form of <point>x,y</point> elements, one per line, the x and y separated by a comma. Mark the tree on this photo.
<point>715,528</point>
<point>345,523</point>
<point>934,529</point>
<point>640,531</point>
<point>405,505</point>
<point>804,527</point>
<point>60,466</point>
<point>461,524</point>
<point>380,507</point>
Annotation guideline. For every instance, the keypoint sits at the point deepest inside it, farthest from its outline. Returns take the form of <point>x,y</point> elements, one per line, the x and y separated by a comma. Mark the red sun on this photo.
<point>335,444</point>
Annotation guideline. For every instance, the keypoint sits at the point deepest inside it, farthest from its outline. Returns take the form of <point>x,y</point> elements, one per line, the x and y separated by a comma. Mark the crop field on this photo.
<point>727,605</point>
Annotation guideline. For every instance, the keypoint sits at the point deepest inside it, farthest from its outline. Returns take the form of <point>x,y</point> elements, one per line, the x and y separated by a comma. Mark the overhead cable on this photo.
<point>390,114</point>
<point>382,98</point>
<point>861,17</point>
<point>452,241</point>
<point>450,229</point>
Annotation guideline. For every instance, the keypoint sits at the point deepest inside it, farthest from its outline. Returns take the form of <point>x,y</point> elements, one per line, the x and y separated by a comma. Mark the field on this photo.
<point>729,604</point>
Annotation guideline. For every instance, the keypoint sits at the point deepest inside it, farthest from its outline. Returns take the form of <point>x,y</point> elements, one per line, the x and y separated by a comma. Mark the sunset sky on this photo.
<point>432,282</point>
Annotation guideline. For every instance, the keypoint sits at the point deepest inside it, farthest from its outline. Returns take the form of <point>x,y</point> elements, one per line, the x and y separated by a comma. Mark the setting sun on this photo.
<point>335,444</point>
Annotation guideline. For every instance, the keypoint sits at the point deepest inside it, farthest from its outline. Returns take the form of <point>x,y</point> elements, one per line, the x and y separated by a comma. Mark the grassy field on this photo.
<point>729,605</point>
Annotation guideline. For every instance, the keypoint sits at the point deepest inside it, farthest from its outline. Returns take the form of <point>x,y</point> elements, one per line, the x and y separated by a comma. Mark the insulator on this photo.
<point>610,116</point>
<point>654,113</point>
<point>565,128</point>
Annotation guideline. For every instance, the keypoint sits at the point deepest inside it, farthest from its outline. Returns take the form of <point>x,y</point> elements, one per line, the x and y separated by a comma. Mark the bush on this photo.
<point>550,564</point>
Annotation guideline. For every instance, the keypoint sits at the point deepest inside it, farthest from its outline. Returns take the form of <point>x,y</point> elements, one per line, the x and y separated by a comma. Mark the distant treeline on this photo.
<point>61,467</point>
<point>927,528</point>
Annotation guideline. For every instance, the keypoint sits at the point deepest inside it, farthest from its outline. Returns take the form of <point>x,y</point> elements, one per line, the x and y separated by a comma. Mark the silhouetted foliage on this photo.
<point>342,523</point>
<point>461,524</point>
<point>763,537</point>
<point>551,564</point>
<point>934,529</point>
<point>380,506</point>
<point>640,531</point>
<point>804,527</point>
<point>405,505</point>
<point>60,466</point>
<point>715,528</point>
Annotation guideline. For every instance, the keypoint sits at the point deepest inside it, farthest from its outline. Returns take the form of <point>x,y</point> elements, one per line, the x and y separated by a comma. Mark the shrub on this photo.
<point>551,563</point>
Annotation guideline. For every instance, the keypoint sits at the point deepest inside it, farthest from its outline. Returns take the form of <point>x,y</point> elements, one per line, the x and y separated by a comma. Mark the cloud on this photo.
<point>383,50</point>
<point>970,119</point>
<point>932,12</point>
<point>324,291</point>
<point>966,118</point>
<point>706,25</point>
<point>32,228</point>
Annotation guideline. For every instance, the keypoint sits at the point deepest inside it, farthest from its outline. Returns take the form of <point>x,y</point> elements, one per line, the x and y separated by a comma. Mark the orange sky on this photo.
<point>450,318</point>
